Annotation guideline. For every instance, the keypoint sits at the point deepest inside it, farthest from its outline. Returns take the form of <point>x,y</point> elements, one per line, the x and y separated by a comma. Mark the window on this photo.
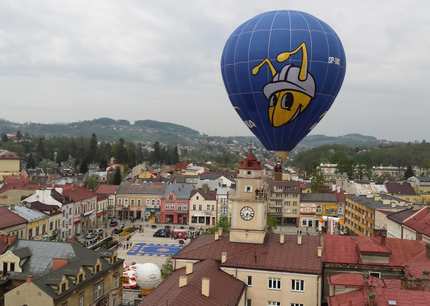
<point>208,207</point>
<point>374,274</point>
<point>51,226</point>
<point>249,280</point>
<point>194,206</point>
<point>249,172</point>
<point>4,267</point>
<point>63,287</point>
<point>273,303</point>
<point>44,229</point>
<point>298,285</point>
<point>248,302</point>
<point>274,283</point>
<point>30,233</point>
<point>37,231</point>
<point>97,268</point>
<point>12,267</point>
<point>81,299</point>
<point>248,188</point>
<point>98,290</point>
<point>80,278</point>
<point>193,219</point>
<point>200,207</point>
<point>296,304</point>
<point>197,197</point>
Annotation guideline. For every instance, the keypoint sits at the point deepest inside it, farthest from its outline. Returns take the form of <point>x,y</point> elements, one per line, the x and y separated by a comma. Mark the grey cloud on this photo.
<point>160,59</point>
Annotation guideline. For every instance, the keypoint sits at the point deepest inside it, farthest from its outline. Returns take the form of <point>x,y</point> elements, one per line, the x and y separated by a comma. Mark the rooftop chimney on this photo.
<point>223,257</point>
<point>205,286</point>
<point>58,263</point>
<point>216,236</point>
<point>282,238</point>
<point>182,281</point>
<point>319,251</point>
<point>428,250</point>
<point>189,268</point>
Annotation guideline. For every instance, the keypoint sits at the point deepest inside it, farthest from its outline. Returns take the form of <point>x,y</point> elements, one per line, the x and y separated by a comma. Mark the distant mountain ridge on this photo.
<point>164,132</point>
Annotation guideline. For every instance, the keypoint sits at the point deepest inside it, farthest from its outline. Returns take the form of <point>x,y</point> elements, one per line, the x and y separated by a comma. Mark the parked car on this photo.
<point>116,231</point>
<point>113,223</point>
<point>161,233</point>
<point>90,236</point>
<point>180,234</point>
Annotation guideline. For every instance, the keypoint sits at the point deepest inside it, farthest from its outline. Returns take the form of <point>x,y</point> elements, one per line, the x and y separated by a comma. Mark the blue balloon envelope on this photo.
<point>282,71</point>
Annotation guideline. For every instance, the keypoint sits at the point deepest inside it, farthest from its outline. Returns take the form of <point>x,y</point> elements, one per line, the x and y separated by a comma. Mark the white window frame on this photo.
<point>298,285</point>
<point>249,280</point>
<point>296,304</point>
<point>273,303</point>
<point>274,283</point>
<point>248,188</point>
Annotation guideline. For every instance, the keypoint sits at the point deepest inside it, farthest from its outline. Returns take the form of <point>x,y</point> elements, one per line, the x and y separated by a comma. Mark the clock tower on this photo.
<point>249,215</point>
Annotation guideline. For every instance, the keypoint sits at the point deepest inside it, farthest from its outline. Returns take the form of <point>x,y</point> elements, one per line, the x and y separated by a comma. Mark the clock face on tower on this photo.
<point>247,213</point>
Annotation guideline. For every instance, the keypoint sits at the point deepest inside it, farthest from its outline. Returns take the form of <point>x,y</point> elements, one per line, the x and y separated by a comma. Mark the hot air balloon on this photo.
<point>282,71</point>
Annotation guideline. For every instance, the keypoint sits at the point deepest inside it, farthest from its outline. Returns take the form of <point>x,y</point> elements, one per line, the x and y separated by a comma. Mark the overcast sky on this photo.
<point>64,61</point>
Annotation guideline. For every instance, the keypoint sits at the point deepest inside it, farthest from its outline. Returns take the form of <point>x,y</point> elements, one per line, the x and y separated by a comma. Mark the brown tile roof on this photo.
<point>225,290</point>
<point>400,216</point>
<point>400,188</point>
<point>207,195</point>
<point>9,219</point>
<point>271,255</point>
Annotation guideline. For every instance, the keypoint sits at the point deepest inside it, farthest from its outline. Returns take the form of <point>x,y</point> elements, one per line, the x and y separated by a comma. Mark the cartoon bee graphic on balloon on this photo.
<point>291,90</point>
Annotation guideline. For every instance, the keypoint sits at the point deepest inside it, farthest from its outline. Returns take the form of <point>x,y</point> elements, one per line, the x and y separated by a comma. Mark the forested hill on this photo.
<point>109,130</point>
<point>395,154</point>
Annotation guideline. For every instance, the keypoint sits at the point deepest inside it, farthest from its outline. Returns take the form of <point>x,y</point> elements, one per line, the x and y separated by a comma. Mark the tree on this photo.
<point>223,223</point>
<point>31,164</point>
<point>92,150</point>
<point>317,181</point>
<point>4,138</point>
<point>166,269</point>
<point>156,156</point>
<point>83,167</point>
<point>40,148</point>
<point>18,135</point>
<point>409,172</point>
<point>117,178</point>
<point>272,223</point>
<point>91,182</point>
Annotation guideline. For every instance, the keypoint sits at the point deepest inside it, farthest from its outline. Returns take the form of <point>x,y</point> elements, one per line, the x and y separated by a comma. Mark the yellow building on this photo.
<point>10,164</point>
<point>63,274</point>
<point>139,201</point>
<point>37,222</point>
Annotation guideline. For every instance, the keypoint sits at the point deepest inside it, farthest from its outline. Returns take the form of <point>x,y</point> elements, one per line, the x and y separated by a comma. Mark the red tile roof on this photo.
<point>420,221</point>
<point>347,279</point>
<point>400,188</point>
<point>5,242</point>
<point>107,189</point>
<point>346,249</point>
<point>250,162</point>
<point>8,155</point>
<point>9,218</point>
<point>384,291</point>
<point>77,193</point>
<point>225,290</point>
<point>271,255</point>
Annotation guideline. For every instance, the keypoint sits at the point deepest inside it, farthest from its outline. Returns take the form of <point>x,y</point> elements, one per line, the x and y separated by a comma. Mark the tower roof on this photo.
<point>250,162</point>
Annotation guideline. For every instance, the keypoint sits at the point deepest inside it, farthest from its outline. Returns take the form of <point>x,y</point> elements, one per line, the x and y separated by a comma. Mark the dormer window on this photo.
<point>97,268</point>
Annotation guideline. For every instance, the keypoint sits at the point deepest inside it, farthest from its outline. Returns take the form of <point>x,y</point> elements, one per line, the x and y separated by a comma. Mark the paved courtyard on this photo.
<point>146,248</point>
